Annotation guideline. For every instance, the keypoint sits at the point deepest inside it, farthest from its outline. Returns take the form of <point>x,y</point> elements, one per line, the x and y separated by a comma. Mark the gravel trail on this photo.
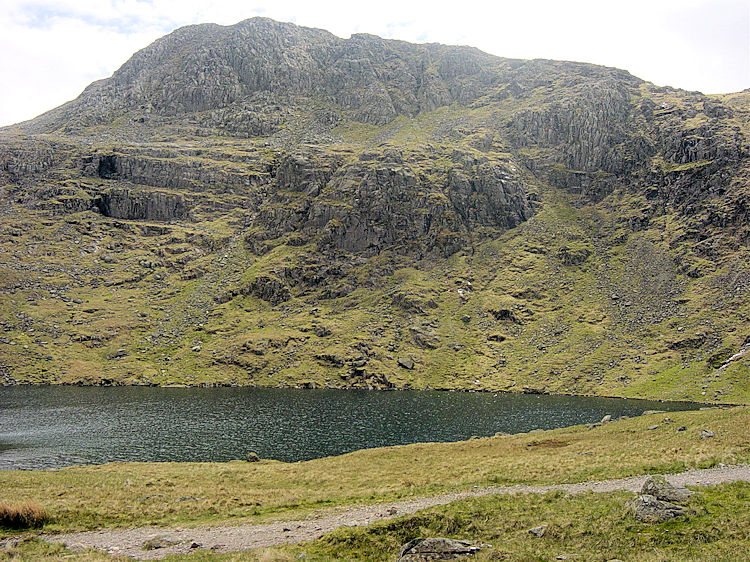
<point>128,542</point>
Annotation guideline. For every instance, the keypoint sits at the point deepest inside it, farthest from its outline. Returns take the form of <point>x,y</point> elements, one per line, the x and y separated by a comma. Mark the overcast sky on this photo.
<point>51,49</point>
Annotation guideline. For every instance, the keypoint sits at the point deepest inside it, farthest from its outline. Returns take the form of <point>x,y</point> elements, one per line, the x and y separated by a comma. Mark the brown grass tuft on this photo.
<point>546,443</point>
<point>22,515</point>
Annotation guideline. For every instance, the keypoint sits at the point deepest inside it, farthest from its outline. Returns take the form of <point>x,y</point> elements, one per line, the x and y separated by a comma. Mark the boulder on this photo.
<point>419,550</point>
<point>648,509</point>
<point>406,362</point>
<point>661,489</point>
<point>706,433</point>
<point>158,542</point>
<point>252,457</point>
<point>538,531</point>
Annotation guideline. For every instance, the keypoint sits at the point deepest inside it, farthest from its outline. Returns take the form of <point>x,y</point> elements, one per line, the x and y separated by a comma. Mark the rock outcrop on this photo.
<point>648,509</point>
<point>152,205</point>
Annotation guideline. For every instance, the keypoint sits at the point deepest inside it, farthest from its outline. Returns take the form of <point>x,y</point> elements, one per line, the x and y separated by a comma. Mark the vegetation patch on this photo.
<point>25,515</point>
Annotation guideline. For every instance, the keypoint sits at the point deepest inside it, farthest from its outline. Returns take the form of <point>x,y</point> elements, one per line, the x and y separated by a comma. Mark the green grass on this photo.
<point>589,526</point>
<point>123,494</point>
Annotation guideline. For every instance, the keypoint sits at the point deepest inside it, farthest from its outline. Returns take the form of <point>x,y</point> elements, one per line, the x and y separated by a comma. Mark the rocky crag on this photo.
<point>266,204</point>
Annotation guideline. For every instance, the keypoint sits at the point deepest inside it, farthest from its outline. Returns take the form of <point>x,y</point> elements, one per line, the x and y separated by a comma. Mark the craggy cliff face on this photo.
<point>269,204</point>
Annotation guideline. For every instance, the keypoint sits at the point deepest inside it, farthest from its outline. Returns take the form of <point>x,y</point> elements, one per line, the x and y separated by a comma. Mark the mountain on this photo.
<point>267,204</point>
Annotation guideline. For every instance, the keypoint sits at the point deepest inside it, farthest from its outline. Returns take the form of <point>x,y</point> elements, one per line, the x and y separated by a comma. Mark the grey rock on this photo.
<point>426,339</point>
<point>606,419</point>
<point>359,362</point>
<point>322,331</point>
<point>439,548</point>
<point>126,203</point>
<point>538,531</point>
<point>406,362</point>
<point>706,433</point>
<point>661,489</point>
<point>269,289</point>
<point>648,509</point>
<point>158,542</point>
<point>252,457</point>
<point>119,354</point>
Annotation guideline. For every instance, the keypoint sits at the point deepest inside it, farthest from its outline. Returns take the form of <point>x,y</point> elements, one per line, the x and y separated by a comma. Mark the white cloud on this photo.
<point>51,49</point>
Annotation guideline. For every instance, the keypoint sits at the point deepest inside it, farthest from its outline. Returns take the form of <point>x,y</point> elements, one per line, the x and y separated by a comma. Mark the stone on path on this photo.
<point>158,542</point>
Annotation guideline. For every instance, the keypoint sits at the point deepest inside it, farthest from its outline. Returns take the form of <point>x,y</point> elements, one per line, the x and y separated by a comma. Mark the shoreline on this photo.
<point>115,384</point>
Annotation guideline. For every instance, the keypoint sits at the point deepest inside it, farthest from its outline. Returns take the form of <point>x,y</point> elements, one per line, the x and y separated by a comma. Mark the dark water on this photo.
<point>45,427</point>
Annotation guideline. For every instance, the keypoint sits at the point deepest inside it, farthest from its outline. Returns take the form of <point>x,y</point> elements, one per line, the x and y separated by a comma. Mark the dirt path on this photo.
<point>129,542</point>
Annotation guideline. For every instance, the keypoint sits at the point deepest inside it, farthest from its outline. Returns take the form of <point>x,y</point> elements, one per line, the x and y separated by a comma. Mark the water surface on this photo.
<point>53,426</point>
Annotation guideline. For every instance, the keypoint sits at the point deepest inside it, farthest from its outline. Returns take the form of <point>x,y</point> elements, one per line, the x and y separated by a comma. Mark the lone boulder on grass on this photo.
<point>648,509</point>
<point>437,548</point>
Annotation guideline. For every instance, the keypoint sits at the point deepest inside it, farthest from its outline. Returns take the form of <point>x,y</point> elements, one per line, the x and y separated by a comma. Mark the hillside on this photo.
<point>266,204</point>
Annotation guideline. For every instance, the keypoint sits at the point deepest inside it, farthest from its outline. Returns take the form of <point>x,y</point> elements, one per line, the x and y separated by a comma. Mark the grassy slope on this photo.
<point>122,494</point>
<point>622,322</point>
<point>598,305</point>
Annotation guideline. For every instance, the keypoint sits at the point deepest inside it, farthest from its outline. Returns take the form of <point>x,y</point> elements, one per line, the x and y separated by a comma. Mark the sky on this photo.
<point>50,50</point>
